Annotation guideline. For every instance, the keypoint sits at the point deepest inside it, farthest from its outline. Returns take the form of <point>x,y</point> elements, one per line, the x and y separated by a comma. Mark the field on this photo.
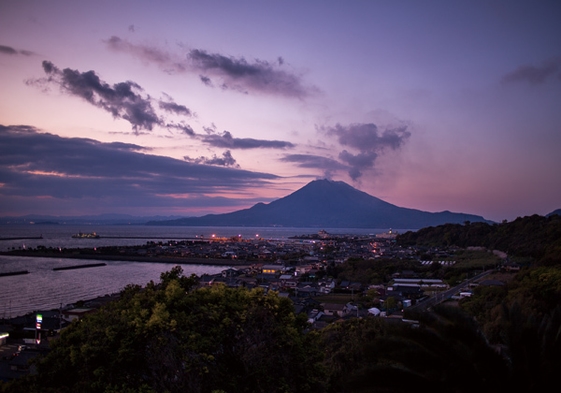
<point>336,298</point>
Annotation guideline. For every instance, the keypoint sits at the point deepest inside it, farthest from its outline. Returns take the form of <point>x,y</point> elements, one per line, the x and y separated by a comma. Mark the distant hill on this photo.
<point>558,212</point>
<point>100,219</point>
<point>327,204</point>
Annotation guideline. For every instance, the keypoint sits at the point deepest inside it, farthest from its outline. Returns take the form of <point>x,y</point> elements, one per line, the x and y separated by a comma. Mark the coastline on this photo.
<point>130,258</point>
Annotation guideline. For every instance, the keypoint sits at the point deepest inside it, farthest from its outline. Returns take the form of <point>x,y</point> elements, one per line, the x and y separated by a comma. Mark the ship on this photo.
<point>80,235</point>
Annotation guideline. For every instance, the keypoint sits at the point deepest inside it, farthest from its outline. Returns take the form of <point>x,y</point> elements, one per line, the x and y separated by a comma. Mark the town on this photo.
<point>311,270</point>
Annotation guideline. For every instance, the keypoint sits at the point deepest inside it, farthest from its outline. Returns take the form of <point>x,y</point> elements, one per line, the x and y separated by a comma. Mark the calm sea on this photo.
<point>45,289</point>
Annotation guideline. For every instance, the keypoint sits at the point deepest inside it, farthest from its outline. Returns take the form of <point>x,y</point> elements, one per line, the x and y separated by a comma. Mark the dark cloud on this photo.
<point>172,107</point>
<point>367,142</point>
<point>367,137</point>
<point>358,162</point>
<point>226,140</point>
<point>258,76</point>
<point>237,74</point>
<point>184,128</point>
<point>225,160</point>
<point>210,129</point>
<point>124,100</point>
<point>535,74</point>
<point>328,165</point>
<point>35,164</point>
<point>8,50</point>
<point>313,161</point>
<point>206,80</point>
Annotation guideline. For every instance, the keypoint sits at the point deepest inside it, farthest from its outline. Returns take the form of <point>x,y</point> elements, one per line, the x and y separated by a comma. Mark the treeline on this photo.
<point>535,237</point>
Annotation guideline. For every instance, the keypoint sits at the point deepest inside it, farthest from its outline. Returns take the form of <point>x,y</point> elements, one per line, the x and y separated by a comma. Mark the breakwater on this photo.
<point>45,289</point>
<point>129,258</point>
<point>149,237</point>
<point>22,238</point>
<point>79,266</point>
<point>5,274</point>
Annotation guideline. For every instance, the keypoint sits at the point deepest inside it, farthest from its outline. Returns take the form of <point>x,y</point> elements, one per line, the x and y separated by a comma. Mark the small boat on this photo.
<point>91,235</point>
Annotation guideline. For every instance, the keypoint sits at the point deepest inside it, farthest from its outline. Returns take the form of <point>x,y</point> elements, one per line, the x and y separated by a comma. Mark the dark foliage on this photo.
<point>164,338</point>
<point>445,353</point>
<point>534,236</point>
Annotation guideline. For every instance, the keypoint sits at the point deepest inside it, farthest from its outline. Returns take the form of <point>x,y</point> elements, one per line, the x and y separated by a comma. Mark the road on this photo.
<point>443,296</point>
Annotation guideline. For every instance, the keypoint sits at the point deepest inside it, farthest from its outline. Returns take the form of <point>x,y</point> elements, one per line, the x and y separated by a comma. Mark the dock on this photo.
<point>14,273</point>
<point>79,266</point>
<point>22,238</point>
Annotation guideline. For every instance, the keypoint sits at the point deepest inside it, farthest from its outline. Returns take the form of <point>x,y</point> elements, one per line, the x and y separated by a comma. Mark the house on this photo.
<point>355,287</point>
<point>76,313</point>
<point>248,282</point>
<point>287,280</point>
<point>206,280</point>
<point>306,290</point>
<point>264,254</point>
<point>230,273</point>
<point>334,309</point>
<point>271,269</point>
<point>404,291</point>
<point>326,286</point>
<point>424,283</point>
<point>314,316</point>
<point>510,267</point>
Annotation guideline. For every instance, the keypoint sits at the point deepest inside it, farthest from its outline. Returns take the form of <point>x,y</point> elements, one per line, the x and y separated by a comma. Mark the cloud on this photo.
<point>206,80</point>
<point>358,162</point>
<point>367,142</point>
<point>237,74</point>
<point>226,140</point>
<point>328,165</point>
<point>8,50</point>
<point>123,100</point>
<point>185,128</point>
<point>172,107</point>
<point>535,75</point>
<point>225,160</point>
<point>49,167</point>
<point>165,60</point>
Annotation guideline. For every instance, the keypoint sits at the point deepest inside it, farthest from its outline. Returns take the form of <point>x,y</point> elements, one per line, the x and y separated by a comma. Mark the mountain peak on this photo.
<point>328,204</point>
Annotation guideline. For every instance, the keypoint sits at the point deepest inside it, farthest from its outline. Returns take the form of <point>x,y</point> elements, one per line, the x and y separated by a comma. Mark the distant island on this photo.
<point>327,204</point>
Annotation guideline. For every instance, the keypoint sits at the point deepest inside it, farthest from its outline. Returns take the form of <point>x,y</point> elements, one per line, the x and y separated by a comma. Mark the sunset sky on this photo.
<point>192,107</point>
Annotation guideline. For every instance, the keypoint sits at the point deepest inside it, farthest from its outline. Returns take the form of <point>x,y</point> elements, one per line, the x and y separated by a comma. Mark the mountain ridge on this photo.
<point>328,204</point>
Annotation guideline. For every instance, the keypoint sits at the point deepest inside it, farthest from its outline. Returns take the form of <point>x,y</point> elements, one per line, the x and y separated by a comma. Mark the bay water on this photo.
<point>46,289</point>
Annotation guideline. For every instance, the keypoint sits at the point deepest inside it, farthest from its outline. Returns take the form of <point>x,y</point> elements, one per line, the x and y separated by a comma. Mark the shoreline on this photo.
<point>130,258</point>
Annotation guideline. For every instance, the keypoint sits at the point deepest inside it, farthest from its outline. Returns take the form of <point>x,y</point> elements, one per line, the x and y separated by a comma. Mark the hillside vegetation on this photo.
<point>536,239</point>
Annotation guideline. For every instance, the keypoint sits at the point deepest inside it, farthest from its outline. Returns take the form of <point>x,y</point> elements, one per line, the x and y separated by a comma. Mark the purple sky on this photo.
<point>193,107</point>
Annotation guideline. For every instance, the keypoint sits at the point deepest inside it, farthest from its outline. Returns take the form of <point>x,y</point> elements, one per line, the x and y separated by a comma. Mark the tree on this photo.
<point>445,353</point>
<point>168,337</point>
<point>390,303</point>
